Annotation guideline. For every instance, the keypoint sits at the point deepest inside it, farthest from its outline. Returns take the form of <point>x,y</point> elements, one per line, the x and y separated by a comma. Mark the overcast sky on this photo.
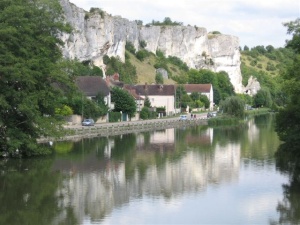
<point>255,22</point>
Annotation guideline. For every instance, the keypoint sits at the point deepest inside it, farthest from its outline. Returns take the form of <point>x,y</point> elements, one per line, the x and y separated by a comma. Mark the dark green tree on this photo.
<point>147,102</point>
<point>233,106</point>
<point>293,28</point>
<point>288,119</point>
<point>123,101</point>
<point>180,92</point>
<point>32,76</point>
<point>205,100</point>
<point>263,98</point>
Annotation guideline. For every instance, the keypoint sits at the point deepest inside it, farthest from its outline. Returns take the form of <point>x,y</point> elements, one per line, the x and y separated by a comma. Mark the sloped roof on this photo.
<point>153,89</point>
<point>200,88</point>
<point>92,85</point>
<point>133,93</point>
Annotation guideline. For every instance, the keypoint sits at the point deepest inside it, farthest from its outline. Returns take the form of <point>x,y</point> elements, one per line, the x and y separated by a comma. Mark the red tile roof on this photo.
<point>200,88</point>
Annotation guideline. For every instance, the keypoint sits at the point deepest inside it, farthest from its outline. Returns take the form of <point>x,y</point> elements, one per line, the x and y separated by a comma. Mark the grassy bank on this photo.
<point>225,120</point>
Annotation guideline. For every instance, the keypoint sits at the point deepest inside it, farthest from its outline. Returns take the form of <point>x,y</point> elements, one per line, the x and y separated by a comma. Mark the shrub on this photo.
<point>142,54</point>
<point>130,47</point>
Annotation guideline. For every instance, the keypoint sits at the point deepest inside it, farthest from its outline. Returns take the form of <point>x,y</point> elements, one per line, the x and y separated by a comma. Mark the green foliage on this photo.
<point>143,44</point>
<point>126,70</point>
<point>233,106</point>
<point>31,63</point>
<point>106,59</point>
<point>147,102</point>
<point>159,78</point>
<point>215,32</point>
<point>80,105</point>
<point>262,98</point>
<point>178,62</point>
<point>123,101</point>
<point>139,22</point>
<point>205,100</point>
<point>180,92</point>
<point>288,119</point>
<point>246,98</point>
<point>142,54</point>
<point>222,86</point>
<point>146,113</point>
<point>130,47</point>
<point>167,22</point>
<point>293,29</point>
<point>85,69</point>
<point>114,116</point>
<point>64,111</point>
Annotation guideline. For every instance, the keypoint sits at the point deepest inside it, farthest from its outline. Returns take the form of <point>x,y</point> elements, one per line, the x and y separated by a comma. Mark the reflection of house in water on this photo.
<point>94,186</point>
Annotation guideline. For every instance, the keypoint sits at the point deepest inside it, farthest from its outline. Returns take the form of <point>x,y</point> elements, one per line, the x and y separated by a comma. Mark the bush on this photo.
<point>130,47</point>
<point>142,54</point>
<point>114,116</point>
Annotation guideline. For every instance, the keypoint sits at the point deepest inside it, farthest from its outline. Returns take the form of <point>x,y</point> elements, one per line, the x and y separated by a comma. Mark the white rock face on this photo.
<point>98,34</point>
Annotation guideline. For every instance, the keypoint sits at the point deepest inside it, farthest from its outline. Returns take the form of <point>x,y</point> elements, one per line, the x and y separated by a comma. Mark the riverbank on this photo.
<point>74,132</point>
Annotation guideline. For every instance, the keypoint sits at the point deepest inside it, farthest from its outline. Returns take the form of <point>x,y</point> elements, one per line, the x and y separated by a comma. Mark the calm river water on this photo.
<point>192,175</point>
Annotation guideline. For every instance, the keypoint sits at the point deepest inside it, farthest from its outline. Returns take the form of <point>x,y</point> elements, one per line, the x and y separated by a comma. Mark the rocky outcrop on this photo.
<point>97,34</point>
<point>252,87</point>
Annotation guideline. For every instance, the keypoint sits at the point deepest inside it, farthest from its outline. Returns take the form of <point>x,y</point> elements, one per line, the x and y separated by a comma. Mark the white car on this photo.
<point>88,122</point>
<point>183,117</point>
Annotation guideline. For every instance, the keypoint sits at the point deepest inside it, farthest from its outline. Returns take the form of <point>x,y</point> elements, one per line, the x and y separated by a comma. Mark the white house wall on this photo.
<point>163,101</point>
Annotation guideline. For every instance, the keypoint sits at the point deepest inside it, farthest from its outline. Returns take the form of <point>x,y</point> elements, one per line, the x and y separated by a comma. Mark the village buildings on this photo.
<point>160,96</point>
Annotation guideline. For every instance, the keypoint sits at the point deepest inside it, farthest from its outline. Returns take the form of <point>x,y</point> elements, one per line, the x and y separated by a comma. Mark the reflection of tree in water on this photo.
<point>28,192</point>
<point>288,162</point>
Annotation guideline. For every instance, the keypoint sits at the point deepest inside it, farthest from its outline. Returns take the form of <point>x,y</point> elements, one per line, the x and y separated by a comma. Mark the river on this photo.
<point>187,175</point>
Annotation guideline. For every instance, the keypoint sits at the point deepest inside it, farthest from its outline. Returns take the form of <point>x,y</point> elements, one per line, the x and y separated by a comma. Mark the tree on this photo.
<point>180,92</point>
<point>159,78</point>
<point>32,74</point>
<point>263,98</point>
<point>233,106</point>
<point>147,102</point>
<point>288,119</point>
<point>123,101</point>
<point>205,100</point>
<point>293,29</point>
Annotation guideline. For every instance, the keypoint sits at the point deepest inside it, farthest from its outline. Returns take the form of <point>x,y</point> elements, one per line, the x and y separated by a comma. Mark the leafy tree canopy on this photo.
<point>288,119</point>
<point>33,77</point>
<point>233,106</point>
<point>123,101</point>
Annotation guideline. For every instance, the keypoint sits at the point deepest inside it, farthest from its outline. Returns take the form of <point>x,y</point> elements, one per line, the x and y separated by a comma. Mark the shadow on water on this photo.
<point>288,163</point>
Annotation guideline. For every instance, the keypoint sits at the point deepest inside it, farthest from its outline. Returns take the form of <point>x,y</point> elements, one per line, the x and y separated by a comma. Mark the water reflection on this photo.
<point>28,192</point>
<point>92,178</point>
<point>288,162</point>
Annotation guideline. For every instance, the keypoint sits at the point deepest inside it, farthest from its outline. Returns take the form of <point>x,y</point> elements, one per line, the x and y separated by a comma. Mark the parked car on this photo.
<point>88,122</point>
<point>183,117</point>
<point>211,114</point>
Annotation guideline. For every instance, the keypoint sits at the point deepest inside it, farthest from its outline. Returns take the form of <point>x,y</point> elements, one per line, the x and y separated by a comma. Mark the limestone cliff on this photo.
<point>97,34</point>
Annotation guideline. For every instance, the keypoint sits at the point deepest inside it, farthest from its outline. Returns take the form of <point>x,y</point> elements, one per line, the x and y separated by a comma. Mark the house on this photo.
<point>204,89</point>
<point>138,99</point>
<point>91,86</point>
<point>158,94</point>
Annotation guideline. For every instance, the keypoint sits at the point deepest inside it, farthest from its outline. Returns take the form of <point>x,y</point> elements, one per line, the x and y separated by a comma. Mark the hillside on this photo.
<point>146,71</point>
<point>265,63</point>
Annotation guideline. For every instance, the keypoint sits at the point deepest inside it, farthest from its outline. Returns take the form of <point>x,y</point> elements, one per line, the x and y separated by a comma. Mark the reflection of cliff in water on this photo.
<point>159,164</point>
